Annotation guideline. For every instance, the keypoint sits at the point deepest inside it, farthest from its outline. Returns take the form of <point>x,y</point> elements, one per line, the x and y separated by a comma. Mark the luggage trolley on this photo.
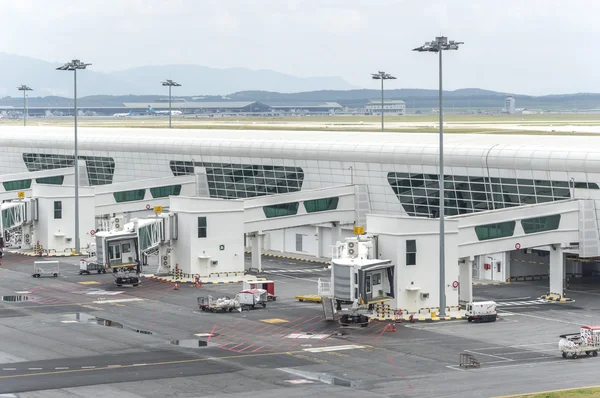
<point>587,342</point>
<point>46,268</point>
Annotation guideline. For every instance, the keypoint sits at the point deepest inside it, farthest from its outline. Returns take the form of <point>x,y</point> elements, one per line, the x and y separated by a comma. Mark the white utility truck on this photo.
<point>481,311</point>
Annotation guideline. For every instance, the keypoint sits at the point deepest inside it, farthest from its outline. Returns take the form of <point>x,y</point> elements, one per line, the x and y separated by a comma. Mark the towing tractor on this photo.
<point>481,311</point>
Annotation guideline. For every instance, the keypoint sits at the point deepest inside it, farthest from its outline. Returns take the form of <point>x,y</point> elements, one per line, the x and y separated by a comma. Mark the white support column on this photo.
<point>257,241</point>
<point>336,233</point>
<point>465,280</point>
<point>320,243</point>
<point>557,270</point>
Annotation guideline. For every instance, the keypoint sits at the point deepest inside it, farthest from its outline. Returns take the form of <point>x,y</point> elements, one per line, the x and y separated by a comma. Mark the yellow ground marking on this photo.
<point>274,320</point>
<point>89,283</point>
<point>197,360</point>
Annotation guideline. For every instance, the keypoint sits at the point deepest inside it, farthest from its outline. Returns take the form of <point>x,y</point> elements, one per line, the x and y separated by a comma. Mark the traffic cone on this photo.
<point>176,286</point>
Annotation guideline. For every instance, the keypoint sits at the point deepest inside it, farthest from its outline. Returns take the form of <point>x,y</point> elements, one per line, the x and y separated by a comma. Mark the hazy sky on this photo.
<point>516,46</point>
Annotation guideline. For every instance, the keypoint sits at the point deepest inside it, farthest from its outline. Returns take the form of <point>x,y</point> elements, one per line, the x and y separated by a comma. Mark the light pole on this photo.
<point>24,88</point>
<point>73,66</point>
<point>438,46</point>
<point>170,83</point>
<point>382,76</point>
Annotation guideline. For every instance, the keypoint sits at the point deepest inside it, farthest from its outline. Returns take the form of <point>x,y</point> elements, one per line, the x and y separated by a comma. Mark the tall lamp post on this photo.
<point>382,76</point>
<point>170,83</point>
<point>439,45</point>
<point>24,88</point>
<point>74,65</point>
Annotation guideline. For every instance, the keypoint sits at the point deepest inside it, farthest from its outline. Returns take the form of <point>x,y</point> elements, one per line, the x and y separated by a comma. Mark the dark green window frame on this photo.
<point>54,180</point>
<point>16,185</point>
<point>163,192</point>
<point>495,231</point>
<point>281,210</point>
<point>540,224</point>
<point>129,196</point>
<point>316,205</point>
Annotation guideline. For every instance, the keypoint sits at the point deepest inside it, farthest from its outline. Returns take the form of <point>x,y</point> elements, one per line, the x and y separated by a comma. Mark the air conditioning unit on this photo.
<point>214,263</point>
<point>350,244</point>
<point>424,296</point>
<point>351,252</point>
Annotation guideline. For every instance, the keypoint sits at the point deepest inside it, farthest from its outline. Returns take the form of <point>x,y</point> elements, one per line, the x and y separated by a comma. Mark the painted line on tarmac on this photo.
<point>550,319</point>
<point>117,301</point>
<point>165,363</point>
<point>488,355</point>
<point>334,348</point>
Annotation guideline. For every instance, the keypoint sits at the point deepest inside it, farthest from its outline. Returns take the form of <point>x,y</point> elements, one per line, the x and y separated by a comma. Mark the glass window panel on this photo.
<point>163,192</point>
<point>540,224</point>
<point>495,231</point>
<point>129,196</point>
<point>55,180</point>
<point>313,206</point>
<point>280,210</point>
<point>16,185</point>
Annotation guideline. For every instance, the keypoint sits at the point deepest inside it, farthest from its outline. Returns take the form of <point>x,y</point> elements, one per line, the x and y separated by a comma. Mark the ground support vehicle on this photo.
<point>587,342</point>
<point>252,297</point>
<point>482,311</point>
<point>355,316</point>
<point>223,304</point>
<point>269,286</point>
<point>89,265</point>
<point>45,268</point>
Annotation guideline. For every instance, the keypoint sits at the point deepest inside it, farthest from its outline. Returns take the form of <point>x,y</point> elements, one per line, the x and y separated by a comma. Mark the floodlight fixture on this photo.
<point>382,76</point>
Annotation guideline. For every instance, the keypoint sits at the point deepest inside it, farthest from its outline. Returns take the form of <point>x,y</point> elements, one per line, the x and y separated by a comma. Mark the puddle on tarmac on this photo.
<point>81,317</point>
<point>14,298</point>
<point>322,377</point>
<point>189,343</point>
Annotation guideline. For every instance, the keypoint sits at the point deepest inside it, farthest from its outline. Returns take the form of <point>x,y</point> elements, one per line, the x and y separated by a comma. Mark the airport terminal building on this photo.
<point>396,173</point>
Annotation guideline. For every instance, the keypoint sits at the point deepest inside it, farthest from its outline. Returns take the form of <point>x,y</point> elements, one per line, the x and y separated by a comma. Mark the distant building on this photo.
<point>202,107</point>
<point>390,107</point>
<point>509,104</point>
<point>306,107</point>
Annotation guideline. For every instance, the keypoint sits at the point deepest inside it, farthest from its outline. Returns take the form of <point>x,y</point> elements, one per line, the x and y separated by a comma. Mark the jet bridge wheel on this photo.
<point>564,355</point>
<point>594,353</point>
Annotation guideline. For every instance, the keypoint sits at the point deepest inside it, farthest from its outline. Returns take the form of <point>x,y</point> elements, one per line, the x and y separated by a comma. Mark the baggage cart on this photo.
<point>252,297</point>
<point>587,342</point>
<point>269,286</point>
<point>223,304</point>
<point>46,268</point>
<point>89,265</point>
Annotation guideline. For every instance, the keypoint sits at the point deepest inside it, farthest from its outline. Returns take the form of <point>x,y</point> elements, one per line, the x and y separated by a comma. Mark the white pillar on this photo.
<point>257,251</point>
<point>320,243</point>
<point>557,270</point>
<point>465,280</point>
<point>336,233</point>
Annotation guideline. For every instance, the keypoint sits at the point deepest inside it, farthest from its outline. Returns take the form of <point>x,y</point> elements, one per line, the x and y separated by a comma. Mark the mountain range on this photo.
<point>43,77</point>
<point>142,84</point>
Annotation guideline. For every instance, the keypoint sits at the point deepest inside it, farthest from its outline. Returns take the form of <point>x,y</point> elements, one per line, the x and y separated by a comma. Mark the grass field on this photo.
<point>565,124</point>
<point>586,392</point>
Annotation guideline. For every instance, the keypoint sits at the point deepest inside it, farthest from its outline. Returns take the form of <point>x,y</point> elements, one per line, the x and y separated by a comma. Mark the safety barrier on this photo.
<point>429,310</point>
<point>523,278</point>
<point>308,260</point>
<point>226,274</point>
<point>550,296</point>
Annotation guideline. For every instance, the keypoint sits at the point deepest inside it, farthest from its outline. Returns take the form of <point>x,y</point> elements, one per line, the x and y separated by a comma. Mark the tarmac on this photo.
<point>82,336</point>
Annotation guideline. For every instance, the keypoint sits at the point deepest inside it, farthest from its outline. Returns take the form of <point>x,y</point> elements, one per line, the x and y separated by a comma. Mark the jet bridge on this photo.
<point>16,222</point>
<point>204,236</point>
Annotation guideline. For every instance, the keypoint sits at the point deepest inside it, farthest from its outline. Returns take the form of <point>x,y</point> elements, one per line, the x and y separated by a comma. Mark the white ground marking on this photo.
<point>117,301</point>
<point>334,348</point>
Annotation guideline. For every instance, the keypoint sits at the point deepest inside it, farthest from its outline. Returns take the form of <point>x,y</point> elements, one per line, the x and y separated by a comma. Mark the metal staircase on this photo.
<point>324,291</point>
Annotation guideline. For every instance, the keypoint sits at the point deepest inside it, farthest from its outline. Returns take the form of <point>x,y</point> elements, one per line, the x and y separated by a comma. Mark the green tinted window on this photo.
<point>313,206</point>
<point>16,185</point>
<point>129,196</point>
<point>495,231</point>
<point>540,224</point>
<point>284,209</point>
<point>56,180</point>
<point>163,192</point>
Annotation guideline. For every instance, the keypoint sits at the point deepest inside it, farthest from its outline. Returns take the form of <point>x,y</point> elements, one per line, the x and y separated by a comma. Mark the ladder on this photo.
<point>324,291</point>
<point>328,310</point>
